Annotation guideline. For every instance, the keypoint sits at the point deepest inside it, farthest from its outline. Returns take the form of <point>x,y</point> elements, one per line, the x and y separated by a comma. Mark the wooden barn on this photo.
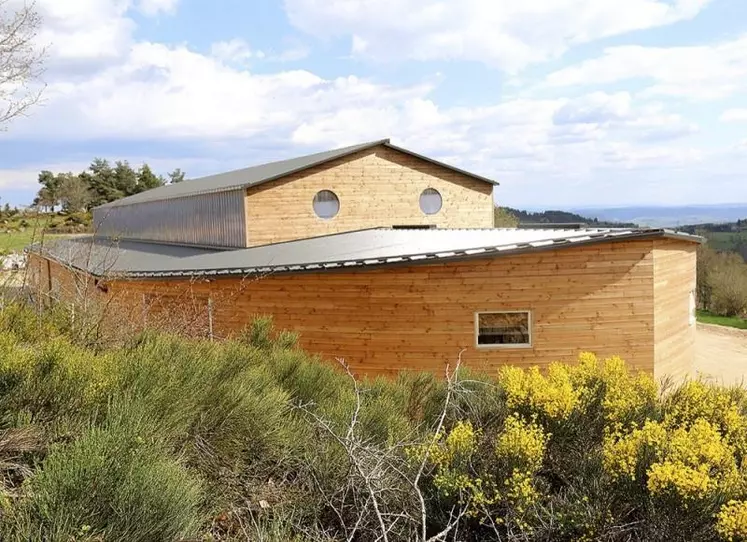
<point>387,259</point>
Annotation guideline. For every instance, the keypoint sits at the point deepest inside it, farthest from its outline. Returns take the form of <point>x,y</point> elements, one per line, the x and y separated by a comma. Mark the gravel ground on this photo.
<point>721,353</point>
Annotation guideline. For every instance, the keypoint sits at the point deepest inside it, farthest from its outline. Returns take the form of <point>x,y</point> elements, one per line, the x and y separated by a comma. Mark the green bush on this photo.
<point>722,282</point>
<point>165,438</point>
<point>111,483</point>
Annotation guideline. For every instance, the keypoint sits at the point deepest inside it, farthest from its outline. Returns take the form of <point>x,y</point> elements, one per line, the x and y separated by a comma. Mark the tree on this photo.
<point>504,218</point>
<point>99,184</point>
<point>176,176</point>
<point>48,194</point>
<point>146,179</point>
<point>100,180</point>
<point>74,193</point>
<point>125,179</point>
<point>20,60</point>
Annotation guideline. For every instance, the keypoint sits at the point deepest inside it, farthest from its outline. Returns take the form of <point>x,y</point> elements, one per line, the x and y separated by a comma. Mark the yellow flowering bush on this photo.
<point>552,395</point>
<point>686,482</point>
<point>450,455</point>
<point>697,400</point>
<point>621,453</point>
<point>689,463</point>
<point>565,388</point>
<point>626,394</point>
<point>731,521</point>
<point>521,445</point>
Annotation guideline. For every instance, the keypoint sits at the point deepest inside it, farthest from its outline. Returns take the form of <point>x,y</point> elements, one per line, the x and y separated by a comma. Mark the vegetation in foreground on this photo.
<point>165,438</point>
<point>728,321</point>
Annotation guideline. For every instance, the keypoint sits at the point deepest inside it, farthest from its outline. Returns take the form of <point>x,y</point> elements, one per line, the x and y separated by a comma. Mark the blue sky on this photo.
<point>567,103</point>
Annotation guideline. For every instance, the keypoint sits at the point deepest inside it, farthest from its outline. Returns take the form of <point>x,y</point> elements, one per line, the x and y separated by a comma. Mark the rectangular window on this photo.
<point>508,329</point>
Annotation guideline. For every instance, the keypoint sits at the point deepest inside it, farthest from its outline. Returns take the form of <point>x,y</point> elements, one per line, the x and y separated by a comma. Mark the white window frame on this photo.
<point>314,201</point>
<point>530,322</point>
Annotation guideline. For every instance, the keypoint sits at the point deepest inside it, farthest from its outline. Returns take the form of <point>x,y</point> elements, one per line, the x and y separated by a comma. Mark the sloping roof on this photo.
<point>256,175</point>
<point>358,249</point>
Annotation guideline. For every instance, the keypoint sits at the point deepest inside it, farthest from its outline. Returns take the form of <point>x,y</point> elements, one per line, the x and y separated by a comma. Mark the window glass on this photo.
<point>326,204</point>
<point>430,201</point>
<point>504,329</point>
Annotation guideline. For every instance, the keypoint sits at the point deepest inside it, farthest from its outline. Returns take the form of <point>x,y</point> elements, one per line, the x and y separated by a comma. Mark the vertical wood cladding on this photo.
<point>378,187</point>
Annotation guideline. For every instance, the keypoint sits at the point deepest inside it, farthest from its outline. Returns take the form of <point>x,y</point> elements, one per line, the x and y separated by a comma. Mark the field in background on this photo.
<point>24,228</point>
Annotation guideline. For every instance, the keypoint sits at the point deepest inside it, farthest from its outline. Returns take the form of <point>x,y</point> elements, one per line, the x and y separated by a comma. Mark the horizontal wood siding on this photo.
<point>379,187</point>
<point>595,298</point>
<point>674,280</point>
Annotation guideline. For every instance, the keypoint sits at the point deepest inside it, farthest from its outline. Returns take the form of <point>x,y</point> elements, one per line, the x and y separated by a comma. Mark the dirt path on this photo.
<point>721,353</point>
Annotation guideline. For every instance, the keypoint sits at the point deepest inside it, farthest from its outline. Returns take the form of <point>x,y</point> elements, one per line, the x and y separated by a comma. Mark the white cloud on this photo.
<point>236,51</point>
<point>510,35</point>
<point>23,178</point>
<point>154,7</point>
<point>702,72</point>
<point>88,34</point>
<point>161,92</point>
<point>734,115</point>
<point>549,151</point>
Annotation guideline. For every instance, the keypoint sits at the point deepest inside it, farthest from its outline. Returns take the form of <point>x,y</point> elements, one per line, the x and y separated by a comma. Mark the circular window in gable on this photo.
<point>326,204</point>
<point>430,201</point>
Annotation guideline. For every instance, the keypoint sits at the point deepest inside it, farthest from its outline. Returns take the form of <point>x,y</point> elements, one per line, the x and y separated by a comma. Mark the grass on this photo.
<point>15,241</point>
<point>728,321</point>
<point>18,232</point>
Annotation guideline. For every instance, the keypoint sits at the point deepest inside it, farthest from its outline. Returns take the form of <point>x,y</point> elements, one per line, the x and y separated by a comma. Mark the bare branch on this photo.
<point>20,60</point>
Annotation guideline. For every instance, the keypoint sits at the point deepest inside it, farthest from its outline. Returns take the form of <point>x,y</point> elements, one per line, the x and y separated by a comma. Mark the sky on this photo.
<point>567,103</point>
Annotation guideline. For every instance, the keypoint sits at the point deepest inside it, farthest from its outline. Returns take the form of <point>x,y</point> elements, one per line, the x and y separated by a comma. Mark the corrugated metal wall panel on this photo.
<point>209,219</point>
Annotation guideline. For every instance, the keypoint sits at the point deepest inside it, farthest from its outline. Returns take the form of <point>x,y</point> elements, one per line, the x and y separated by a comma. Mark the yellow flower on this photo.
<point>731,521</point>
<point>621,453</point>
<point>552,395</point>
<point>521,444</point>
<point>687,482</point>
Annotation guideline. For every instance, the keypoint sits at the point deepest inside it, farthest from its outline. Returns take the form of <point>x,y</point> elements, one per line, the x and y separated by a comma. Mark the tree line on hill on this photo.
<point>101,183</point>
<point>725,237</point>
<point>507,217</point>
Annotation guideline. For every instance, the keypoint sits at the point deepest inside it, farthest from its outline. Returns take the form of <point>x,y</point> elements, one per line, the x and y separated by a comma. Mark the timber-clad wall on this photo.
<point>674,331</point>
<point>600,297</point>
<point>377,187</point>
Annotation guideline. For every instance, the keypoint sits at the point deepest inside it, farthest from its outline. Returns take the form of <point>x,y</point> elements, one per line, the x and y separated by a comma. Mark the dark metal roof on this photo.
<point>255,175</point>
<point>358,249</point>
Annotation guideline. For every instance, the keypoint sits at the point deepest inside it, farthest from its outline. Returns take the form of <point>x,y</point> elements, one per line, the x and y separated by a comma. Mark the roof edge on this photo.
<point>359,148</point>
<point>611,236</point>
<point>441,164</point>
<point>242,186</point>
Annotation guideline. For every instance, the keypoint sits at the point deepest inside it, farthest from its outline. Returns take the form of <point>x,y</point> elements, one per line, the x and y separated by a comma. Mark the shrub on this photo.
<point>111,483</point>
<point>166,437</point>
<point>722,282</point>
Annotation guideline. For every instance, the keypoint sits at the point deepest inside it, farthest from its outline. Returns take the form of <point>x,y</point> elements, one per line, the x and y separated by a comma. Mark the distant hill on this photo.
<point>564,217</point>
<point>671,217</point>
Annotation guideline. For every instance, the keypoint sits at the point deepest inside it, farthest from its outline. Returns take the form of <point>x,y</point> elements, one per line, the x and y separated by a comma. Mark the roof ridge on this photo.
<point>264,172</point>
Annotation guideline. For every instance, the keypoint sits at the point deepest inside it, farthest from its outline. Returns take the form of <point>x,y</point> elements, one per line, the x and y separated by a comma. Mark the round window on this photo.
<point>430,201</point>
<point>326,204</point>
